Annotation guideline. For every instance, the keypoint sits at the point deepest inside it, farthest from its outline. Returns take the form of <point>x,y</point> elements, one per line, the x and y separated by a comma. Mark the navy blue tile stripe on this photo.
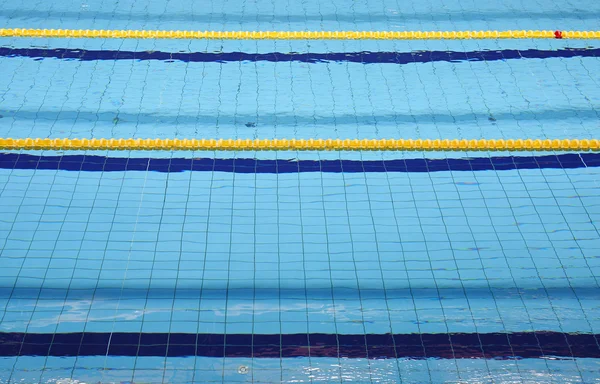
<point>353,57</point>
<point>248,165</point>
<point>374,346</point>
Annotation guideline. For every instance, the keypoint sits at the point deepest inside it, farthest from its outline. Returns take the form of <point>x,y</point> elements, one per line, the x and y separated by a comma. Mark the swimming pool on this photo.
<point>299,266</point>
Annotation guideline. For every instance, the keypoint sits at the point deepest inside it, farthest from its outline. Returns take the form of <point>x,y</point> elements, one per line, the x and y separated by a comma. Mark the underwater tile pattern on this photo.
<point>196,267</point>
<point>362,89</point>
<point>135,255</point>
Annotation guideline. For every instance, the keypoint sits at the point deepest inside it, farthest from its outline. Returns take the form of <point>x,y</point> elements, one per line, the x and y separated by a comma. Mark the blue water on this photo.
<point>265,267</point>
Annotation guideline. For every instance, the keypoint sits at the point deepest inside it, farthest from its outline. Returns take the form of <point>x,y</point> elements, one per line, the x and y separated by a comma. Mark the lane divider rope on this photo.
<point>297,35</point>
<point>303,144</point>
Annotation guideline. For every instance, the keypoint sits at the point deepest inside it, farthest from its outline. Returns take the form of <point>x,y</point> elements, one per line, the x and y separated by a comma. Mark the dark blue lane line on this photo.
<point>373,346</point>
<point>248,165</point>
<point>353,57</point>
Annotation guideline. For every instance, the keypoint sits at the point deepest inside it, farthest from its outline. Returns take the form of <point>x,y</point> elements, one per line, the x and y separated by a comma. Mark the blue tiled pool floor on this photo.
<point>299,267</point>
<point>481,273</point>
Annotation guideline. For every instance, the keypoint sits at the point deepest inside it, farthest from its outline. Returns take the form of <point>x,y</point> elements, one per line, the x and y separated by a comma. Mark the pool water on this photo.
<point>264,267</point>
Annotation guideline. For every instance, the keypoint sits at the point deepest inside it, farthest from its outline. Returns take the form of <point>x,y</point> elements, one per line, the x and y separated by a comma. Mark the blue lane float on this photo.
<point>94,163</point>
